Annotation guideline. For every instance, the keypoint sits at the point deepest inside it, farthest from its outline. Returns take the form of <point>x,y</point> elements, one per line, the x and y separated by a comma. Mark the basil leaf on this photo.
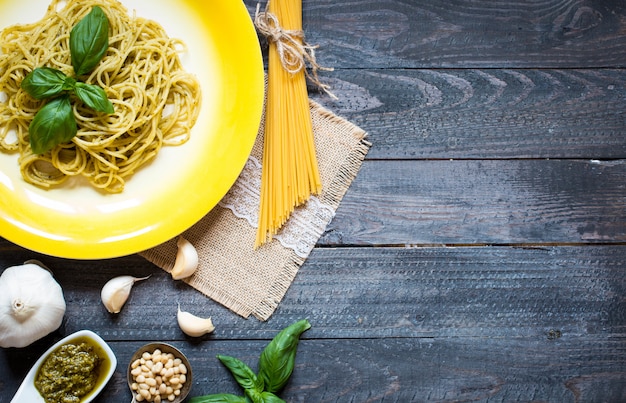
<point>263,397</point>
<point>44,82</point>
<point>94,97</point>
<point>53,124</point>
<point>220,398</point>
<point>278,358</point>
<point>89,41</point>
<point>245,377</point>
<point>269,397</point>
<point>254,395</point>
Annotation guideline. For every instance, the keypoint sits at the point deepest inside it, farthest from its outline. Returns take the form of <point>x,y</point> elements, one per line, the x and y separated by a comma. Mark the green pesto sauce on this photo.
<point>69,373</point>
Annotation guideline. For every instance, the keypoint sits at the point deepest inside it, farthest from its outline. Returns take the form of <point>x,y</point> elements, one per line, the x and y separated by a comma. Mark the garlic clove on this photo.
<point>116,291</point>
<point>192,325</point>
<point>186,260</point>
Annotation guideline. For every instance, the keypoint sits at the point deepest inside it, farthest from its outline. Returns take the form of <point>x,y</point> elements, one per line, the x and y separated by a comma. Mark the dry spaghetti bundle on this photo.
<point>290,173</point>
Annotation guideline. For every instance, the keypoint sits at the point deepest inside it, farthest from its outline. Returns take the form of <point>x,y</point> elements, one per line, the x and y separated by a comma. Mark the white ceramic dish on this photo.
<point>27,393</point>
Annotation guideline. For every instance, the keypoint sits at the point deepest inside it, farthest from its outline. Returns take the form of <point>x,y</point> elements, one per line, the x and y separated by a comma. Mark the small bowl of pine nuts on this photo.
<point>159,373</point>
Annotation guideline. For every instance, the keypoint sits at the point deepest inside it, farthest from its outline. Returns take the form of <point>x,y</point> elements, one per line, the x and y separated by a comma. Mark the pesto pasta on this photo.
<point>156,102</point>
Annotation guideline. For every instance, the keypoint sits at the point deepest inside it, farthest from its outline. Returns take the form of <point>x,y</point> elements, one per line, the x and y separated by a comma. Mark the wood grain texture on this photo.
<point>458,324</point>
<point>468,113</point>
<point>427,292</point>
<point>411,370</point>
<point>480,254</point>
<point>482,202</point>
<point>480,34</point>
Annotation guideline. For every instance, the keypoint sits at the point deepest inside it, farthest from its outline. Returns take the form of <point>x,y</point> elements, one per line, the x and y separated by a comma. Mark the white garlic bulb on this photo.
<point>31,305</point>
<point>116,291</point>
<point>186,259</point>
<point>192,325</point>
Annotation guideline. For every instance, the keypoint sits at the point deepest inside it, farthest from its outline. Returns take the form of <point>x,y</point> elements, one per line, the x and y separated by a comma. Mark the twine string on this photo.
<point>293,51</point>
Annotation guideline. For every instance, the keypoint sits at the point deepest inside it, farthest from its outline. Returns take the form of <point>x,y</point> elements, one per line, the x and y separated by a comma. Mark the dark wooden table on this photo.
<point>480,253</point>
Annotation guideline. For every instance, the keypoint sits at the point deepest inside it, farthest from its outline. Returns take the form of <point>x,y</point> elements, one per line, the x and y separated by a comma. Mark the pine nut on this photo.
<point>157,377</point>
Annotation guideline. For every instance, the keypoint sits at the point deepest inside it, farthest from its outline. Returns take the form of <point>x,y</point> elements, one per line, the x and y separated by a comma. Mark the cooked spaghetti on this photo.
<point>156,101</point>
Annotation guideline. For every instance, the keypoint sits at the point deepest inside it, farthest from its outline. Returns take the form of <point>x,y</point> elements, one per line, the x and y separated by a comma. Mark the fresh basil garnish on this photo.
<point>277,359</point>
<point>44,82</point>
<point>53,124</point>
<point>94,97</point>
<point>268,397</point>
<point>89,41</point>
<point>245,377</point>
<point>276,365</point>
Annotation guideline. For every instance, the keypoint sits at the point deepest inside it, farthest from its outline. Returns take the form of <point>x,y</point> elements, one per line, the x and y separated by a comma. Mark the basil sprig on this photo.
<point>276,365</point>
<point>54,123</point>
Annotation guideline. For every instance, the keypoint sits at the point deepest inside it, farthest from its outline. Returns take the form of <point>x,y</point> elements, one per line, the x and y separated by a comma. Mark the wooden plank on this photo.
<point>482,33</point>
<point>407,370</point>
<point>378,292</point>
<point>389,324</point>
<point>482,202</point>
<point>473,113</point>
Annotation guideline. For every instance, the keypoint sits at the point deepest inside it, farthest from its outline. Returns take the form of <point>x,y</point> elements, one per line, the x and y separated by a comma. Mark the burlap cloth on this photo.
<point>253,282</point>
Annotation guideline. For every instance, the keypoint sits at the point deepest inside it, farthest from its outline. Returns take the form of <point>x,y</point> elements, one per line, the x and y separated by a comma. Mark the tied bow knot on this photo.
<point>292,49</point>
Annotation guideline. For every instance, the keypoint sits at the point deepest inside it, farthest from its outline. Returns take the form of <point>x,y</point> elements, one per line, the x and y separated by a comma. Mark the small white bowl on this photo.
<point>28,393</point>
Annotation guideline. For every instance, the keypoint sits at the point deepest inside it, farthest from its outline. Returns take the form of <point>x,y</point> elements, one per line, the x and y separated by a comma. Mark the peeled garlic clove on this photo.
<point>192,325</point>
<point>116,291</point>
<point>186,260</point>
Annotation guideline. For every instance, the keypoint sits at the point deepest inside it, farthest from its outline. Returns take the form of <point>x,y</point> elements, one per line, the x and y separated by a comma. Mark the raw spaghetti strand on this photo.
<point>290,173</point>
<point>156,102</point>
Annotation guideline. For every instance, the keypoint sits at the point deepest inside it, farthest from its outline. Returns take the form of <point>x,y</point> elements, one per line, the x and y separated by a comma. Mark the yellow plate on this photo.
<point>184,182</point>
